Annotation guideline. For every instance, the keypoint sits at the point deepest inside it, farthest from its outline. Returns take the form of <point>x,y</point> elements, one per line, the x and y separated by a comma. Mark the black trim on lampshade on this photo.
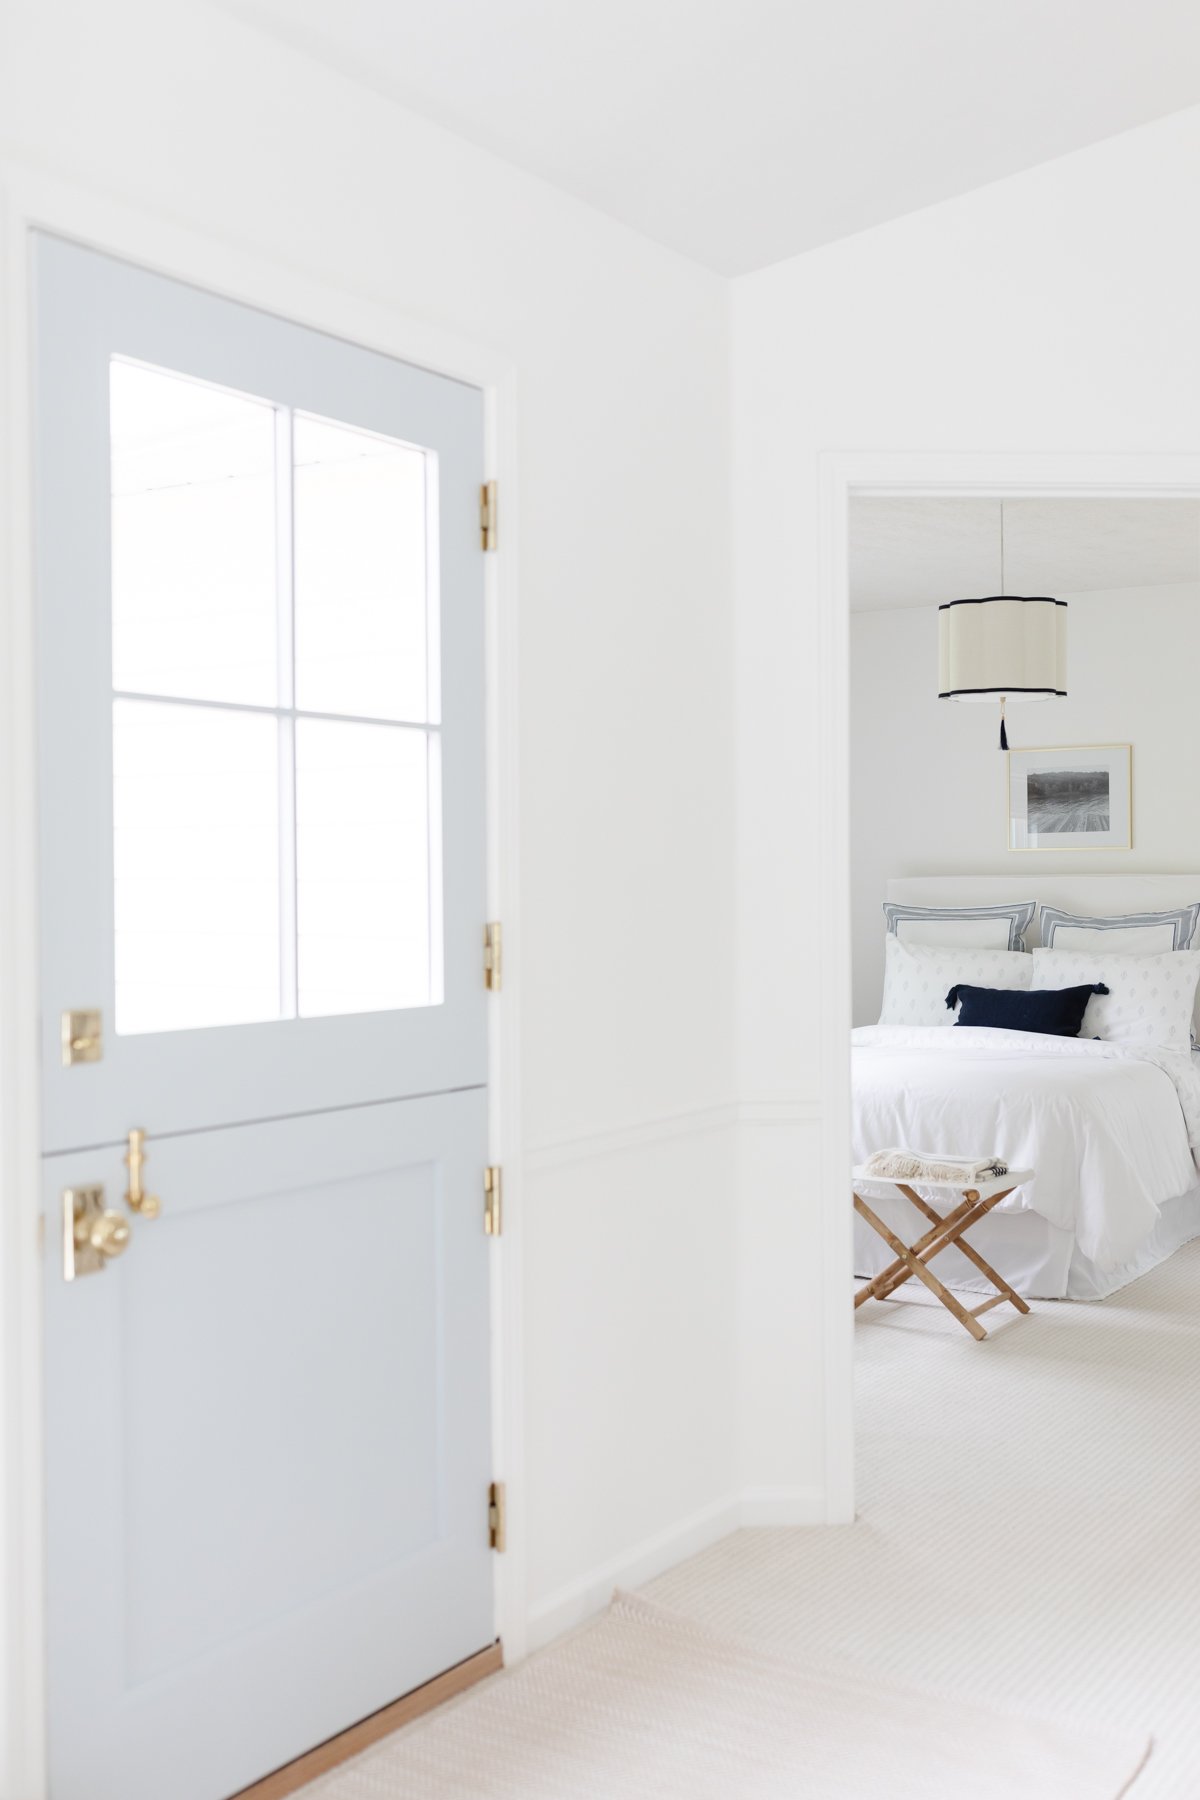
<point>1050,693</point>
<point>1019,599</point>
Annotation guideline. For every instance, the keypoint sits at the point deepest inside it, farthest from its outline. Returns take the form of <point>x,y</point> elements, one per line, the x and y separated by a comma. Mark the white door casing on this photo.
<point>267,1424</point>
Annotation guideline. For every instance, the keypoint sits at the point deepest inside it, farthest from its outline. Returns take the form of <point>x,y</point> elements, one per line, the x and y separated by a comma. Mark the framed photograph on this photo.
<point>1071,797</point>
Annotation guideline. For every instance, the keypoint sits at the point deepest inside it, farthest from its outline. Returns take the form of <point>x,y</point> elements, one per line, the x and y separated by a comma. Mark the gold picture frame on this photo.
<point>1081,798</point>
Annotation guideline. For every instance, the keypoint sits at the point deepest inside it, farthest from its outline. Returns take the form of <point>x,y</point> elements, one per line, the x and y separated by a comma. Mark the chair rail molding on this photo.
<point>768,1108</point>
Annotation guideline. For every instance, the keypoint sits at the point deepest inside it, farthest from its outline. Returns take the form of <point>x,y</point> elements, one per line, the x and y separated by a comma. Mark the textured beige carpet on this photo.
<point>648,1705</point>
<point>1029,1519</point>
<point>1028,1536</point>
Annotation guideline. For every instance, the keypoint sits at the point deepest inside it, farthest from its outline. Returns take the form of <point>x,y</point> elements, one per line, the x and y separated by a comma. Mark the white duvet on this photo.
<point>1111,1129</point>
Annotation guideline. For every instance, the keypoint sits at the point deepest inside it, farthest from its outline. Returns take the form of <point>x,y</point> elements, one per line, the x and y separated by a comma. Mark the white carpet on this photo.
<point>1029,1526</point>
<point>1029,1530</point>
<point>648,1705</point>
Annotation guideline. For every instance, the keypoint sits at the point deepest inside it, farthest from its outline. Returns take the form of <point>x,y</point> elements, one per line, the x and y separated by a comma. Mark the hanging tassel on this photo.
<point>1003,732</point>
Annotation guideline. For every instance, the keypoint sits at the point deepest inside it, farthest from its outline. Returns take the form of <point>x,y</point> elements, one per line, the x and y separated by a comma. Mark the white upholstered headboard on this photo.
<point>1095,894</point>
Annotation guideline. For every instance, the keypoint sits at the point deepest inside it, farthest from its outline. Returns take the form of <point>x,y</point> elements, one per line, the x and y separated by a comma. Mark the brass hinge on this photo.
<point>487,516</point>
<point>497,1519</point>
<point>493,1217</point>
<point>492,956</point>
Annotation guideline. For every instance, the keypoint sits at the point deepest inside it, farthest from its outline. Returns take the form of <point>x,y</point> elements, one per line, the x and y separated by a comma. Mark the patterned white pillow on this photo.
<point>917,978</point>
<point>1150,997</point>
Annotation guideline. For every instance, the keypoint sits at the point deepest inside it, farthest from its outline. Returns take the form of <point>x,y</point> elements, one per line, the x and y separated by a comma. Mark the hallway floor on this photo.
<point>1028,1530</point>
<point>1029,1519</point>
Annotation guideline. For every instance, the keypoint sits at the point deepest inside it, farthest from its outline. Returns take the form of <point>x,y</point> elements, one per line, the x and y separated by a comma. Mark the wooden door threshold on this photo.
<point>295,1775</point>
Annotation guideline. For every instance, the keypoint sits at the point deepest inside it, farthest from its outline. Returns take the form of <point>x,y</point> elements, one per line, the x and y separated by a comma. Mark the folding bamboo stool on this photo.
<point>973,1204</point>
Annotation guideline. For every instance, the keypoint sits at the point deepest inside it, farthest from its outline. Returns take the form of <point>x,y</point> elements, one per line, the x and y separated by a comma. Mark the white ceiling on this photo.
<point>921,552</point>
<point>740,132</point>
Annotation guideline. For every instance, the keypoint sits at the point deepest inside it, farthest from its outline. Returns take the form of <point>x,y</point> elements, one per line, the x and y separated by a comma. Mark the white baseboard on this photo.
<point>572,1605</point>
<point>783,1506</point>
<point>580,1600</point>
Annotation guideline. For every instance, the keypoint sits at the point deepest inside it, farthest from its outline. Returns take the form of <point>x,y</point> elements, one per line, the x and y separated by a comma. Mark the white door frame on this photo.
<point>31,201</point>
<point>910,475</point>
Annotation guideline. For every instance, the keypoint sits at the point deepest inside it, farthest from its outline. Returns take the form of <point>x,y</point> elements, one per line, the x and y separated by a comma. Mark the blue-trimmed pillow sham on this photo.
<point>1180,921</point>
<point>1017,914</point>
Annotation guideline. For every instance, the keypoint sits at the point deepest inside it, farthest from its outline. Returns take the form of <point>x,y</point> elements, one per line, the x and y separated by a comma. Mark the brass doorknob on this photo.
<point>107,1233</point>
<point>91,1235</point>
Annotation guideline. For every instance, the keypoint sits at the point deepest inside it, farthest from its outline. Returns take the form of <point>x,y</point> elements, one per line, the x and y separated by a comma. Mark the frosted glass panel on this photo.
<point>193,538</point>
<point>267,566</point>
<point>196,851</point>
<point>363,642</point>
<point>363,867</point>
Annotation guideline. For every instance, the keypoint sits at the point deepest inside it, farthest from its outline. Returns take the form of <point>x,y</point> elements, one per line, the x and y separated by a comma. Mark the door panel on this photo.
<point>280,1398</point>
<point>91,310</point>
<point>261,790</point>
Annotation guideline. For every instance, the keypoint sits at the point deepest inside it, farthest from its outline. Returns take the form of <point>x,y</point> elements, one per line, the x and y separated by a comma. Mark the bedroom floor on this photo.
<point>1029,1518</point>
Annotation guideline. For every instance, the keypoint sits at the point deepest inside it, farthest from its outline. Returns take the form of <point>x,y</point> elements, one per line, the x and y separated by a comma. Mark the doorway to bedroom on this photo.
<point>998,848</point>
<point>1058,1449</point>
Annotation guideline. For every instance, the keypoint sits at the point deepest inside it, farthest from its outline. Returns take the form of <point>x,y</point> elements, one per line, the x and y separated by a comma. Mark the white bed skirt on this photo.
<point>1041,1261</point>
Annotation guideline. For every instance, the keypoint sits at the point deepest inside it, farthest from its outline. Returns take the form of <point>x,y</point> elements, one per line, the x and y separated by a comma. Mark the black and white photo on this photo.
<point>1071,798</point>
<point>1059,800</point>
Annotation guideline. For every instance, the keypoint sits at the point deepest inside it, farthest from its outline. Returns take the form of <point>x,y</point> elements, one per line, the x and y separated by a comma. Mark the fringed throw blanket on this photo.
<point>917,1165</point>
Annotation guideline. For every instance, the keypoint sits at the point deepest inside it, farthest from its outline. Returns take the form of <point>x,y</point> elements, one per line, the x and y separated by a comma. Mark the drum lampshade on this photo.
<point>1002,647</point>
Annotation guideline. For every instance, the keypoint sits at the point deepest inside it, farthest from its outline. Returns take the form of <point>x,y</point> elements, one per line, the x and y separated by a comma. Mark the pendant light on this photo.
<point>1002,647</point>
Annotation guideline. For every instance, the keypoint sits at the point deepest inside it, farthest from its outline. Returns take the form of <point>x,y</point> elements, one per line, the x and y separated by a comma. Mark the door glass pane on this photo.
<point>269,862</point>
<point>363,815</point>
<point>193,538</point>
<point>363,639</point>
<point>196,836</point>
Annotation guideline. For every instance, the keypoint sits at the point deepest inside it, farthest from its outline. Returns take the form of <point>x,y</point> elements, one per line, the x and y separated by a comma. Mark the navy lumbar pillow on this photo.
<point>1056,1012</point>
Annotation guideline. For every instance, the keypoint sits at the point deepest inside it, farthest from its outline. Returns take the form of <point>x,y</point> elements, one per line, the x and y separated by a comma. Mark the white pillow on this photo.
<point>987,927</point>
<point>917,978</point>
<point>1123,934</point>
<point>1125,940</point>
<point>1150,998</point>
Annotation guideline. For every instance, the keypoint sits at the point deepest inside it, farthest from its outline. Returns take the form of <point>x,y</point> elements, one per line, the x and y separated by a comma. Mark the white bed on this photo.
<point>1111,1130</point>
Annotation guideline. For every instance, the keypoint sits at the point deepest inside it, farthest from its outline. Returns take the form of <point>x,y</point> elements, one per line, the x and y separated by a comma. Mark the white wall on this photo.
<point>1052,311</point>
<point>625,940</point>
<point>928,784</point>
<point>672,1339</point>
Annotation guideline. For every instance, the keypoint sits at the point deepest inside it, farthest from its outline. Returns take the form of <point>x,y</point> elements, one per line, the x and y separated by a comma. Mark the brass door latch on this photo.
<point>82,1037</point>
<point>136,1198</point>
<point>91,1235</point>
